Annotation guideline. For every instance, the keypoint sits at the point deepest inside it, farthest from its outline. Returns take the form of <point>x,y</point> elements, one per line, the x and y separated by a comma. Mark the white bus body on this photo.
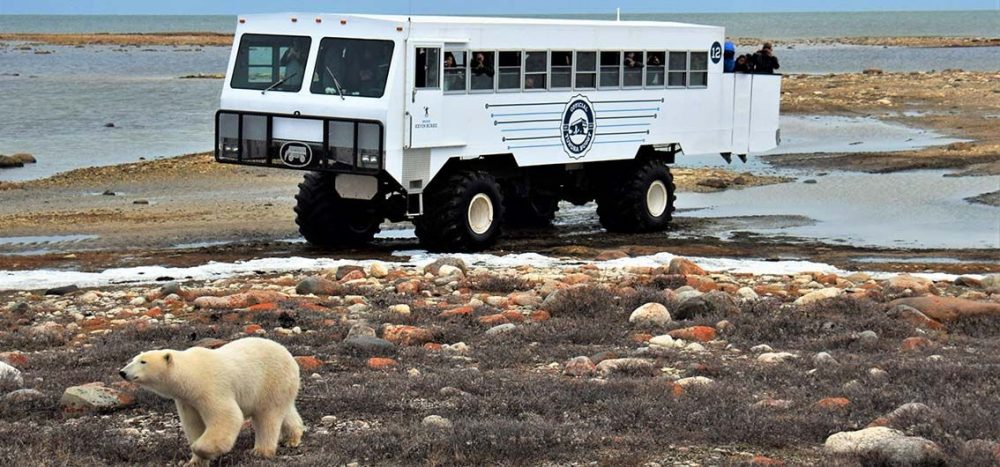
<point>391,102</point>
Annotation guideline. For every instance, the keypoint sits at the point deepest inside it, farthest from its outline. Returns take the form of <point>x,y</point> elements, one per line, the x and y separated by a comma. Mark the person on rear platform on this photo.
<point>729,58</point>
<point>764,60</point>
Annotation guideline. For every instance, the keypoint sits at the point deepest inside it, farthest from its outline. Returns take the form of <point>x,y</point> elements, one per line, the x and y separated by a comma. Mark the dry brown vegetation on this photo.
<point>176,39</point>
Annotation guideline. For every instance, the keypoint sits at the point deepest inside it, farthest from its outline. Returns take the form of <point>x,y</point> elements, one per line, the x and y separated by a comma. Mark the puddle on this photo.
<point>921,260</point>
<point>44,240</point>
<point>912,209</point>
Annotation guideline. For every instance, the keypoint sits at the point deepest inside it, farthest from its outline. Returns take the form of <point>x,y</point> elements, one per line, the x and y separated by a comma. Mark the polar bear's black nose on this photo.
<point>123,375</point>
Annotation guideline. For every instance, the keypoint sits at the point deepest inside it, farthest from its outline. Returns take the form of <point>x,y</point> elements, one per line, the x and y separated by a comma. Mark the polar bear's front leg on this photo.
<point>223,421</point>
<point>191,422</point>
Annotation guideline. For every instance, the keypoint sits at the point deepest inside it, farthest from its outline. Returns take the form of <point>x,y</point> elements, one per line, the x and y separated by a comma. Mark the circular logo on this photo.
<point>295,154</point>
<point>716,53</point>
<point>578,127</point>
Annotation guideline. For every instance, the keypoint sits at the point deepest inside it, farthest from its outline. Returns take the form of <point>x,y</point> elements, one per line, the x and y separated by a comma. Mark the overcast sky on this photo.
<point>473,7</point>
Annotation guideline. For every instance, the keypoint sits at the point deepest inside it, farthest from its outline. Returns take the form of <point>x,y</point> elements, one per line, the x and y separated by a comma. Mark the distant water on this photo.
<point>763,25</point>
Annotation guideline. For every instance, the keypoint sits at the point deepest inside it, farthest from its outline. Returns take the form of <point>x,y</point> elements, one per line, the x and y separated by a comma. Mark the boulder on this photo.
<point>94,397</point>
<point>24,158</point>
<point>407,335</point>
<point>436,422</point>
<point>771,358</point>
<point>8,162</point>
<point>948,308</point>
<point>59,291</point>
<point>903,282</point>
<point>501,329</point>
<point>626,366</point>
<point>991,281</point>
<point>10,378</point>
<point>914,317</point>
<point>368,346</point>
<point>23,398</point>
<point>378,270</point>
<point>885,446</point>
<point>714,303</point>
<point>435,267</point>
<point>318,286</point>
<point>684,266</point>
<point>818,295</point>
<point>694,333</point>
<point>349,270</point>
<point>650,314</point>
<point>580,367</point>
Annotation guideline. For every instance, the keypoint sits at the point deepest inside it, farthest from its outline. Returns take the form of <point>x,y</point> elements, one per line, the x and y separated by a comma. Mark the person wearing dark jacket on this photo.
<point>764,60</point>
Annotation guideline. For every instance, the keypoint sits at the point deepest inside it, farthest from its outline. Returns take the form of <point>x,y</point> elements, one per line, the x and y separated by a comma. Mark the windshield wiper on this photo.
<point>340,91</point>
<point>278,83</point>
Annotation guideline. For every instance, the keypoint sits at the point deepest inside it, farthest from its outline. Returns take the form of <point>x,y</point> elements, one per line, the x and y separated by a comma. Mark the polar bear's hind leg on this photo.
<point>292,427</point>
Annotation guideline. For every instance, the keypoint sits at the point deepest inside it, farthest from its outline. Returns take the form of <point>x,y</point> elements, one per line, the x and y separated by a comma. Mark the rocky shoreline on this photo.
<point>566,364</point>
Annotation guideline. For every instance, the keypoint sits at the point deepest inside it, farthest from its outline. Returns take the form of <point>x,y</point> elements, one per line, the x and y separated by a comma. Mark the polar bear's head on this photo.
<point>149,368</point>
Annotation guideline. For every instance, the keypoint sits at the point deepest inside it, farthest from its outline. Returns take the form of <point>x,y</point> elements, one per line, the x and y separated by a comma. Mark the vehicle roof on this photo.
<point>497,20</point>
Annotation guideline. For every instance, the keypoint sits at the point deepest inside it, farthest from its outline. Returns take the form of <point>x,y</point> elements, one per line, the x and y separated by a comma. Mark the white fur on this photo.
<point>216,390</point>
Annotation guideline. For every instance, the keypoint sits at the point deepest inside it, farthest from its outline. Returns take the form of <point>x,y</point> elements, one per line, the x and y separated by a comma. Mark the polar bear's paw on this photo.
<point>265,453</point>
<point>197,462</point>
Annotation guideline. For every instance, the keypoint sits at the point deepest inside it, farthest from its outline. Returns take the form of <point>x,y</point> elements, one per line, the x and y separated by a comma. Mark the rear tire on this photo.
<point>640,199</point>
<point>327,220</point>
<point>462,212</point>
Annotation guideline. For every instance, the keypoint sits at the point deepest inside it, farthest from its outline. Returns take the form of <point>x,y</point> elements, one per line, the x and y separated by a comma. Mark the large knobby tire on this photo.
<point>462,212</point>
<point>640,199</point>
<point>327,220</point>
<point>531,212</point>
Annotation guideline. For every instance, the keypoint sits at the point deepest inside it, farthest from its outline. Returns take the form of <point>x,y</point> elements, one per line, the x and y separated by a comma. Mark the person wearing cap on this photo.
<point>729,57</point>
<point>764,60</point>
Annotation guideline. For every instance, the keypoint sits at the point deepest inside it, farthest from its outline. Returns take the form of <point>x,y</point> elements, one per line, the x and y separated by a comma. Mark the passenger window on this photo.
<point>427,60</point>
<point>677,69</point>
<point>510,70</point>
<point>534,70</point>
<point>633,69</point>
<point>586,70</point>
<point>610,69</point>
<point>699,69</point>
<point>454,70</point>
<point>562,70</point>
<point>482,71</point>
<point>654,69</point>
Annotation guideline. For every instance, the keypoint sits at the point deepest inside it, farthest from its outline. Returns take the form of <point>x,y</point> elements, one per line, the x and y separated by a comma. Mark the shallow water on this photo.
<point>913,209</point>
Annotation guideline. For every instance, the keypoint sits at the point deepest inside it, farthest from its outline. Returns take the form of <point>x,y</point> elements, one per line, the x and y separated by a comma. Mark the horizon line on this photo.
<point>611,13</point>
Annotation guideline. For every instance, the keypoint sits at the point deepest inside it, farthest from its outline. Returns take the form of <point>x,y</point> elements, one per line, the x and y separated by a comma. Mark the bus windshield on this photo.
<point>356,67</point>
<point>274,63</point>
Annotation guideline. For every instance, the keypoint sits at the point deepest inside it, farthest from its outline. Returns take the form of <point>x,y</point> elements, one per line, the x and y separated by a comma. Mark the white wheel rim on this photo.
<point>656,199</point>
<point>480,214</point>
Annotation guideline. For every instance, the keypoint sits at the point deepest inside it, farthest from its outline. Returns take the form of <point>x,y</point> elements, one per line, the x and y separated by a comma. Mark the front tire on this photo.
<point>462,212</point>
<point>327,220</point>
<point>640,199</point>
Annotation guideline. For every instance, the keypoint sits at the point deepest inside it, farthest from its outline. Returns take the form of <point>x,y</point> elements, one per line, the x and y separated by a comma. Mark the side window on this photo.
<point>610,69</point>
<point>454,70</point>
<point>699,69</point>
<point>481,71</point>
<point>509,70</point>
<point>276,63</point>
<point>427,60</point>
<point>562,70</point>
<point>633,68</point>
<point>586,70</point>
<point>654,69</point>
<point>677,69</point>
<point>535,71</point>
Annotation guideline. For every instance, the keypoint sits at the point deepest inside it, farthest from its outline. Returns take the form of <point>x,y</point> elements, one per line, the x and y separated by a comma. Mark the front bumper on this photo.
<point>346,146</point>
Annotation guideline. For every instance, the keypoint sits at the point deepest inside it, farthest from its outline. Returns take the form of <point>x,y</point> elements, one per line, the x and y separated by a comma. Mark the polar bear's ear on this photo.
<point>167,358</point>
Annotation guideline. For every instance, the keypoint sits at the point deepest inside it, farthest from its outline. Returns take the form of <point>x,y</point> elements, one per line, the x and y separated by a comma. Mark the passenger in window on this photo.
<point>294,61</point>
<point>631,62</point>
<point>529,83</point>
<point>449,60</point>
<point>480,67</point>
<point>764,60</point>
<point>654,60</point>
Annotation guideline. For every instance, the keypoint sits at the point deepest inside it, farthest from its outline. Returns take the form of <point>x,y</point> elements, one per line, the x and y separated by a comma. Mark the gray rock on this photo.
<point>361,330</point>
<point>434,267</point>
<point>437,422</point>
<point>650,314</point>
<point>94,397</point>
<point>714,303</point>
<point>991,281</point>
<point>824,359</point>
<point>171,288</point>
<point>885,446</point>
<point>580,366</point>
<point>626,366</point>
<point>500,329</point>
<point>347,269</point>
<point>23,398</point>
<point>317,286</point>
<point>59,291</point>
<point>10,378</point>
<point>366,346</point>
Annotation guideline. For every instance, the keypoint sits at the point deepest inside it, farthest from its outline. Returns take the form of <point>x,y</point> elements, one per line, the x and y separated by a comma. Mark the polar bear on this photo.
<point>216,390</point>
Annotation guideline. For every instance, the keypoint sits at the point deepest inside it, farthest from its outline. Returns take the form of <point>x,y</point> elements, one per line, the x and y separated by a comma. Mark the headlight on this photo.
<point>369,161</point>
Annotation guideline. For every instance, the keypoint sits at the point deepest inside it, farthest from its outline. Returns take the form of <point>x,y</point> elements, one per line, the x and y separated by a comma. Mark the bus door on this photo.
<point>424,99</point>
<point>742,100</point>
